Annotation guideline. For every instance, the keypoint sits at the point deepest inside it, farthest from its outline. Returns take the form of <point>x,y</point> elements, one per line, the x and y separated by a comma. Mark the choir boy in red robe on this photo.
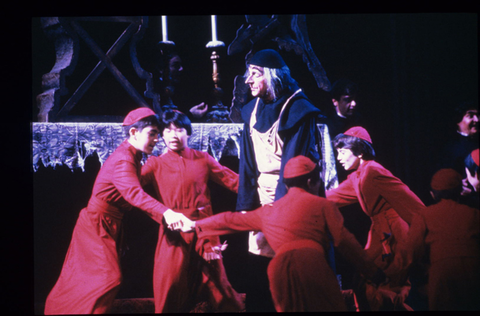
<point>391,206</point>
<point>187,269</point>
<point>297,227</point>
<point>91,275</point>
<point>445,237</point>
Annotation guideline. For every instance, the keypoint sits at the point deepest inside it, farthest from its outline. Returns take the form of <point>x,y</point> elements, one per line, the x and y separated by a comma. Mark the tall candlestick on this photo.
<point>164,28</point>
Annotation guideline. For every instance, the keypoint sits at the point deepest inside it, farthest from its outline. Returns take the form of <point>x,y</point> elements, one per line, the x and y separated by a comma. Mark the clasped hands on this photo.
<point>178,221</point>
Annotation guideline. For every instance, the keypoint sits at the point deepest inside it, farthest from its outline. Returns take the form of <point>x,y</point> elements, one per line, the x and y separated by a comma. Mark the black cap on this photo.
<point>267,58</point>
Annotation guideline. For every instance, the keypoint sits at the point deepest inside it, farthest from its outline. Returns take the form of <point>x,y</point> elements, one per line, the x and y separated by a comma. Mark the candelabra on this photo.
<point>219,112</point>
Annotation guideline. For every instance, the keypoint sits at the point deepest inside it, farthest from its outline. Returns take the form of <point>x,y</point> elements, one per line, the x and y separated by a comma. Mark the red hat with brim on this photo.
<point>136,115</point>
<point>360,132</point>
<point>446,179</point>
<point>298,166</point>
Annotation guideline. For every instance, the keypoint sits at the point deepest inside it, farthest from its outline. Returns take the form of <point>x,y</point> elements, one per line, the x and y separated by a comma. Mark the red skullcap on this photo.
<point>360,132</point>
<point>475,157</point>
<point>298,166</point>
<point>446,179</point>
<point>136,115</point>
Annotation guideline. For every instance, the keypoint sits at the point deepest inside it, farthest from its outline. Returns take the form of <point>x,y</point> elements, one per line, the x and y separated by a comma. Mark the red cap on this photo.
<point>136,115</point>
<point>475,157</point>
<point>298,166</point>
<point>360,132</point>
<point>446,179</point>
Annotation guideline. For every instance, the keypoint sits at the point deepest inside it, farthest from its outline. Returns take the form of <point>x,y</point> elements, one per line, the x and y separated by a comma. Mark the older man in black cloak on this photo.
<point>280,123</point>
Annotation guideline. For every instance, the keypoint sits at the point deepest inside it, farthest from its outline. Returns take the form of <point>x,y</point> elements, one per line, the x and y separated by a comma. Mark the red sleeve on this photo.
<point>126,181</point>
<point>345,242</point>
<point>343,195</point>
<point>415,245</point>
<point>396,193</point>
<point>228,223</point>
<point>222,175</point>
<point>411,251</point>
<point>148,176</point>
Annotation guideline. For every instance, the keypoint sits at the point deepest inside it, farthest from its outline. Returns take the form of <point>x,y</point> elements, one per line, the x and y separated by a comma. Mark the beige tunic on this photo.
<point>268,156</point>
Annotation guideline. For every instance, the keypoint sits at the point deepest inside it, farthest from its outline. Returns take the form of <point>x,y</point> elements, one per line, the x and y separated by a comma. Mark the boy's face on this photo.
<point>175,138</point>
<point>469,124</point>
<point>256,80</point>
<point>146,139</point>
<point>348,160</point>
<point>346,105</point>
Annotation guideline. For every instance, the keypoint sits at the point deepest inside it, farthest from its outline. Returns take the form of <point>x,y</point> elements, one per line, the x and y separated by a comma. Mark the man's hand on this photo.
<point>473,180</point>
<point>199,110</point>
<point>178,221</point>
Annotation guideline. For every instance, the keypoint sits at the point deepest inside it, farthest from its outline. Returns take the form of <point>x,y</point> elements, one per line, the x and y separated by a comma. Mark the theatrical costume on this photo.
<point>296,129</point>
<point>91,275</point>
<point>275,132</point>
<point>296,227</point>
<point>391,206</point>
<point>449,232</point>
<point>445,238</point>
<point>187,266</point>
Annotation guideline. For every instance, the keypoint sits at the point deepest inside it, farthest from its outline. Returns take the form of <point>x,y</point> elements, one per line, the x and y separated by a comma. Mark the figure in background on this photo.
<point>343,115</point>
<point>297,226</point>
<point>187,269</point>
<point>280,123</point>
<point>91,274</point>
<point>460,144</point>
<point>464,140</point>
<point>390,205</point>
<point>167,69</point>
<point>445,237</point>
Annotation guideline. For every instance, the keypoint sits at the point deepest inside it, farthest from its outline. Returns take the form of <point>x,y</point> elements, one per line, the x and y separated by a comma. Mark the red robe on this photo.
<point>296,227</point>
<point>181,274</point>
<point>391,206</point>
<point>91,276</point>
<point>449,233</point>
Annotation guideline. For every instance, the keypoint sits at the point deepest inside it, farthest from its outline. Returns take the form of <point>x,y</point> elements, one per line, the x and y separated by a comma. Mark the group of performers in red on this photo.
<point>278,202</point>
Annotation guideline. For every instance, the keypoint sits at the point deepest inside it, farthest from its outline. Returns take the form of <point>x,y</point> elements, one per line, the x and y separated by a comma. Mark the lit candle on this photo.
<point>214,42</point>
<point>164,28</point>
<point>214,28</point>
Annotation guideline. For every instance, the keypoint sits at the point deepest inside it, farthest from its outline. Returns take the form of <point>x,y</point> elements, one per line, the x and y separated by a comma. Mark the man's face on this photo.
<point>175,138</point>
<point>176,68</point>
<point>256,80</point>
<point>146,139</point>
<point>347,159</point>
<point>345,106</point>
<point>469,124</point>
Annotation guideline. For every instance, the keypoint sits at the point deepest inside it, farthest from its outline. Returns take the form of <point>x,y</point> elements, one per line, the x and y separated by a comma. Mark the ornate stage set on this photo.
<point>62,139</point>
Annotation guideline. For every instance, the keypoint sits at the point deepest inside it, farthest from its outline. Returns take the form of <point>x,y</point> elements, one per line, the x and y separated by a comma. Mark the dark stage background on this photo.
<point>412,70</point>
